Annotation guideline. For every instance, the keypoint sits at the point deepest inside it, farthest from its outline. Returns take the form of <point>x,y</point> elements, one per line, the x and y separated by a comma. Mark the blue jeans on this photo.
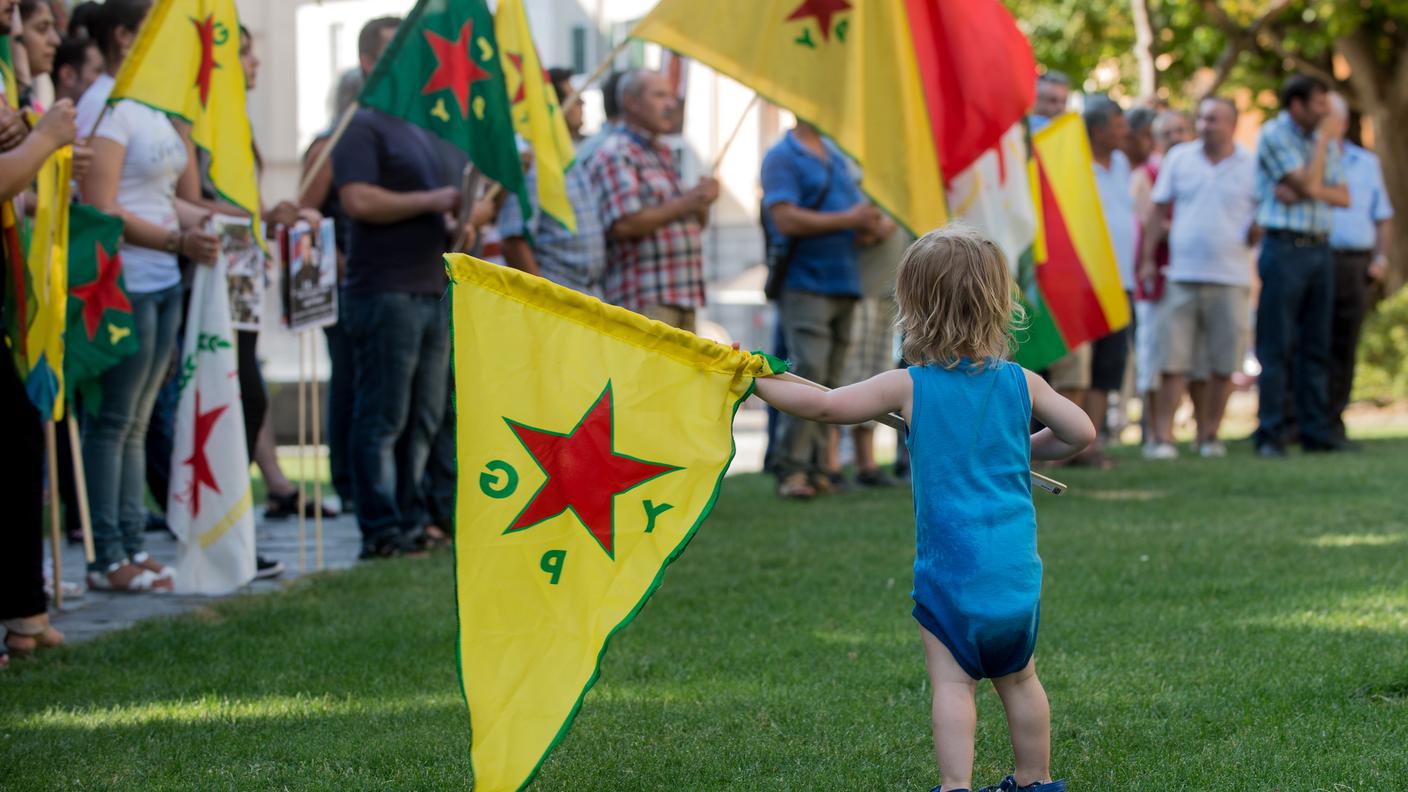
<point>114,442</point>
<point>1293,319</point>
<point>401,349</point>
<point>341,395</point>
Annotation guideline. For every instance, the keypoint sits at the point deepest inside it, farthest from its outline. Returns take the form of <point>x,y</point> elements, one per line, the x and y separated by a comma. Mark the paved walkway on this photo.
<point>98,612</point>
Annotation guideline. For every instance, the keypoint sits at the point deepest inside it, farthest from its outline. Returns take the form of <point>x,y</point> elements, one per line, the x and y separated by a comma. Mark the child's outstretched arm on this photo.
<point>887,392</point>
<point>1068,429</point>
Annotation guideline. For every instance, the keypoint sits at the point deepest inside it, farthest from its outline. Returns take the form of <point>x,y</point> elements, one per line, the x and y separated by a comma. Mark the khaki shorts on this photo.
<point>1204,326</point>
<point>672,315</point>
<point>1072,372</point>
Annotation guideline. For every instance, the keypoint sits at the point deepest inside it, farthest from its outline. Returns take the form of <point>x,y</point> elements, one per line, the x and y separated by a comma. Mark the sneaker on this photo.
<point>265,568</point>
<point>1270,451</point>
<point>1212,449</point>
<point>875,478</point>
<point>1007,784</point>
<point>1049,786</point>
<point>1162,451</point>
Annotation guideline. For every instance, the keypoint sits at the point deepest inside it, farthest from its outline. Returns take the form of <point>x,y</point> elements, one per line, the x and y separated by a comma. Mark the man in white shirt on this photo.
<point>1210,186</point>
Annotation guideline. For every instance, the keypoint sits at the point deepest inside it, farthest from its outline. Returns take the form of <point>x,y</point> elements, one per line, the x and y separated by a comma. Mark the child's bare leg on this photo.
<point>955,713</point>
<point>1028,722</point>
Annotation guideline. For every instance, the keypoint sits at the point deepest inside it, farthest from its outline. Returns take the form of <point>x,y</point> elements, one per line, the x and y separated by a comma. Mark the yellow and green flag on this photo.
<point>536,114</point>
<point>592,443</point>
<point>186,63</point>
<point>38,291</point>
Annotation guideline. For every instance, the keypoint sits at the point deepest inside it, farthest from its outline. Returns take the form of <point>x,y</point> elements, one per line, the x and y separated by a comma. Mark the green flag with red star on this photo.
<point>99,332</point>
<point>442,72</point>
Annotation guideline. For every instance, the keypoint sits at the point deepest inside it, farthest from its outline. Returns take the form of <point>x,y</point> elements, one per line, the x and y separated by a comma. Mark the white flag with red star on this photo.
<point>210,506</point>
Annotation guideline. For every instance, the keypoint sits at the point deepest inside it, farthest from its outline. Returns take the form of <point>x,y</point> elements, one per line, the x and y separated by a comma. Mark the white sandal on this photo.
<point>166,573</point>
<point>144,581</point>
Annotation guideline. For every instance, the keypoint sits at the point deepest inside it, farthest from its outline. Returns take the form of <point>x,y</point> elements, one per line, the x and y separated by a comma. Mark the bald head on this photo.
<point>645,99</point>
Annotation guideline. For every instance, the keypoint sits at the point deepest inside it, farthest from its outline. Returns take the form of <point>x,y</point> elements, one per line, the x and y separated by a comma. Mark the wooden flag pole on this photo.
<point>897,423</point>
<point>322,158</point>
<point>302,450</point>
<point>728,142</point>
<point>317,454</point>
<point>575,97</point>
<point>80,486</point>
<point>56,549</point>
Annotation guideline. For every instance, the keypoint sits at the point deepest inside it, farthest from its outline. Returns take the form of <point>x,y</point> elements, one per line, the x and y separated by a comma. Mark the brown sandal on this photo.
<point>25,636</point>
<point>795,487</point>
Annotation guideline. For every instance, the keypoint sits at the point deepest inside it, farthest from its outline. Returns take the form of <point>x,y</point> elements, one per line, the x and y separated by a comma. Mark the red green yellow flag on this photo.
<point>1071,284</point>
<point>186,63</point>
<point>536,114</point>
<point>100,330</point>
<point>914,90</point>
<point>592,443</point>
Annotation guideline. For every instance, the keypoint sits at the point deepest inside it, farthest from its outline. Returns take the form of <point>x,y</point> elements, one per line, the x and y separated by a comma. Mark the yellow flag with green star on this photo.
<point>592,443</point>
<point>536,114</point>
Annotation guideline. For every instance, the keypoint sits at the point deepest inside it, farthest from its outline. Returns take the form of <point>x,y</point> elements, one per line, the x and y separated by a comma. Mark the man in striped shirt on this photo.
<point>1298,179</point>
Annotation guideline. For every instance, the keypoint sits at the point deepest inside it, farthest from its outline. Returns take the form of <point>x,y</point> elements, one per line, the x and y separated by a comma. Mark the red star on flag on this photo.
<point>200,464</point>
<point>516,59</point>
<point>206,31</point>
<point>102,292</point>
<point>584,472</point>
<point>455,69</point>
<point>822,10</point>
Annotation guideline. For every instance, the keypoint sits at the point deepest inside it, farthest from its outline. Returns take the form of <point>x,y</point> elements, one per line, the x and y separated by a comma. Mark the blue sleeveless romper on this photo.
<point>977,577</point>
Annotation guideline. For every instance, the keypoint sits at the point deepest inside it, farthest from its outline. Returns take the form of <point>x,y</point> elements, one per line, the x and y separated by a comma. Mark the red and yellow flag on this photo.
<point>914,90</point>
<point>186,63</point>
<point>1080,297</point>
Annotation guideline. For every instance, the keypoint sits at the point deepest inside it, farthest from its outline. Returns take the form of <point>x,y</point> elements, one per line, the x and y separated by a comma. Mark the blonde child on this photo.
<point>977,576</point>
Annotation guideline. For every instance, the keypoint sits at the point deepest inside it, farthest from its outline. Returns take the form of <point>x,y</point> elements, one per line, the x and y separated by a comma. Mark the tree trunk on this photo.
<point>1144,49</point>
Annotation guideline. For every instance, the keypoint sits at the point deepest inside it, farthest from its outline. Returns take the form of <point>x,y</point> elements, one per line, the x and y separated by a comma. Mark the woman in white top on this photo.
<point>138,159</point>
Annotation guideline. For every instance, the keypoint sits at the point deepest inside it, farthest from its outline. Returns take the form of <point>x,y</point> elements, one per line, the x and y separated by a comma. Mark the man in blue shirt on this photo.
<point>1359,237</point>
<point>1298,179</point>
<point>812,214</point>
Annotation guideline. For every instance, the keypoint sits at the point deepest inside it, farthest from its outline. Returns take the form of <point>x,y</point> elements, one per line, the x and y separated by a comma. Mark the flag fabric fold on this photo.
<point>914,90</point>
<point>38,289</point>
<point>443,72</point>
<point>100,330</point>
<point>1073,293</point>
<point>537,117</point>
<point>210,505</point>
<point>185,62</point>
<point>592,443</point>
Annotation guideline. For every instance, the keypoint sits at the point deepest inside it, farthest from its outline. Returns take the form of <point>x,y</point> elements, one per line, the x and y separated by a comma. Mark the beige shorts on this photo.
<point>1072,372</point>
<point>1204,326</point>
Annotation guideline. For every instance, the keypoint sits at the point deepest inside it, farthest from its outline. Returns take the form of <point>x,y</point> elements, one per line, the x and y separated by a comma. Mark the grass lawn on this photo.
<point>1208,625</point>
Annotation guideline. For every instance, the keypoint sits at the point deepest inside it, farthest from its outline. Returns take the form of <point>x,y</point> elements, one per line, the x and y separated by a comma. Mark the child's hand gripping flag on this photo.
<point>592,443</point>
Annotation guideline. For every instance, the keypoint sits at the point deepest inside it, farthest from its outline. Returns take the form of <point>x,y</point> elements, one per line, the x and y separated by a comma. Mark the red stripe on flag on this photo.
<point>1065,286</point>
<point>978,73</point>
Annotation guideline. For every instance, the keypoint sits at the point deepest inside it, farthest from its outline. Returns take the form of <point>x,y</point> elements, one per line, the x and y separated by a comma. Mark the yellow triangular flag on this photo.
<point>186,63</point>
<point>536,114</point>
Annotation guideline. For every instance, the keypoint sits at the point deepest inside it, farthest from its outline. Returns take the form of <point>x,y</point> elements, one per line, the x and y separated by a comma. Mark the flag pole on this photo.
<point>897,423</point>
<point>80,486</point>
<point>575,96</point>
<point>322,158</point>
<point>728,142</point>
<point>302,450</point>
<point>317,455</point>
<point>51,452</point>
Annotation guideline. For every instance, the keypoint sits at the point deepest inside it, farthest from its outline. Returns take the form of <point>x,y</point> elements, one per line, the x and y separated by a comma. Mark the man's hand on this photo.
<point>284,214</point>
<point>863,217</point>
<point>12,127</point>
<point>703,194</point>
<point>1378,268</point>
<point>58,126</point>
<point>444,199</point>
<point>1331,128</point>
<point>1148,270</point>
<point>1287,194</point>
<point>82,160</point>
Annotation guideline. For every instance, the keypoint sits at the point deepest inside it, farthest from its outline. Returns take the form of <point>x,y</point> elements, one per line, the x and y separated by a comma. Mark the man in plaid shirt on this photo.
<point>654,255</point>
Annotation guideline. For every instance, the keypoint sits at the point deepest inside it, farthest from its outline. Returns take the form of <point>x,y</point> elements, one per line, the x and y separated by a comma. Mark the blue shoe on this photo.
<point>941,786</point>
<point>1049,786</point>
<point>1008,784</point>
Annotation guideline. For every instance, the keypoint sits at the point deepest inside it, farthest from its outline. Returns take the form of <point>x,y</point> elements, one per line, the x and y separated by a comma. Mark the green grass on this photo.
<point>1207,625</point>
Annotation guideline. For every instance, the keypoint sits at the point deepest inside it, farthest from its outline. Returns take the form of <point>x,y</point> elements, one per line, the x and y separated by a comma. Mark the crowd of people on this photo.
<point>1184,203</point>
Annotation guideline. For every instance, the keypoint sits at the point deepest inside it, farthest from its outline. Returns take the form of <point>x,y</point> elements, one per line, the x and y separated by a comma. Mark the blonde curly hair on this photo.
<point>957,300</point>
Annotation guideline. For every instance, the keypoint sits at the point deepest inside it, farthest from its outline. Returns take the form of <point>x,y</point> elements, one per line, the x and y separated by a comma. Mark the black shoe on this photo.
<point>265,568</point>
<point>280,507</point>
<point>391,544</point>
<point>1333,446</point>
<point>1270,451</point>
<point>875,478</point>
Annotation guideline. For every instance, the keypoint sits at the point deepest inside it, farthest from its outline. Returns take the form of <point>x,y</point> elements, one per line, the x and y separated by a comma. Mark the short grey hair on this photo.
<point>1141,118</point>
<point>631,85</point>
<point>349,85</point>
<point>1054,77</point>
<point>1098,112</point>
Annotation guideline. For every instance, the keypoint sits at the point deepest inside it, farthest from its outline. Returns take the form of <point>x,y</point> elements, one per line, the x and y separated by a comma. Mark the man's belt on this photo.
<point>1298,238</point>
